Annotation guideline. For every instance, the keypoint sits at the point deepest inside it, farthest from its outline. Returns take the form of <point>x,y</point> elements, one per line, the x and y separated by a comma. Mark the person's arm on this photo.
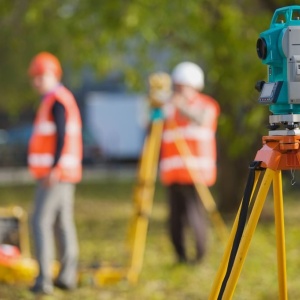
<point>58,111</point>
<point>199,117</point>
<point>59,116</point>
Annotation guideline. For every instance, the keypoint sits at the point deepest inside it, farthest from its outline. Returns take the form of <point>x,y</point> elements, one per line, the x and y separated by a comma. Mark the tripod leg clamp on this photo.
<point>256,165</point>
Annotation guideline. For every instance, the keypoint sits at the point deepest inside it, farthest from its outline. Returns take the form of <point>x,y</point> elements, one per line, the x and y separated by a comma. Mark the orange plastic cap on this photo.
<point>43,62</point>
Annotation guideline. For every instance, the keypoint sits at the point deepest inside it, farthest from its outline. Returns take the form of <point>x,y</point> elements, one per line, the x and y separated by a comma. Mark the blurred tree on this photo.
<point>140,36</point>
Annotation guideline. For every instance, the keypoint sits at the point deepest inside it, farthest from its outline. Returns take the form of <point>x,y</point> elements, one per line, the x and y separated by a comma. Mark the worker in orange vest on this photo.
<point>55,161</point>
<point>192,116</point>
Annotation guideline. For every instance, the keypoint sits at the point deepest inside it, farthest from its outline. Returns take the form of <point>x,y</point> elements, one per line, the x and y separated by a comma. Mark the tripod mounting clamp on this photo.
<point>289,123</point>
<point>280,152</point>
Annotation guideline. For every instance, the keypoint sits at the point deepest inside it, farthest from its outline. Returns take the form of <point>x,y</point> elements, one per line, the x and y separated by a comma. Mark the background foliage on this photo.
<point>138,37</point>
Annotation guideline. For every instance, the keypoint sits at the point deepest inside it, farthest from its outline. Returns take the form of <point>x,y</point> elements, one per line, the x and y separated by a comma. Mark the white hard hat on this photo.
<point>188,73</point>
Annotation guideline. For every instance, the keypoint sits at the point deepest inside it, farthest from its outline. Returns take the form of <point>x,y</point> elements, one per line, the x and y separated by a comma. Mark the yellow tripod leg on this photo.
<point>210,206</point>
<point>223,266</point>
<point>249,231</point>
<point>143,199</point>
<point>280,235</point>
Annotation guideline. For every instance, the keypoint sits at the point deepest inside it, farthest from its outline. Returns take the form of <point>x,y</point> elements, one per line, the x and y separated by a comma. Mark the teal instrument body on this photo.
<point>279,48</point>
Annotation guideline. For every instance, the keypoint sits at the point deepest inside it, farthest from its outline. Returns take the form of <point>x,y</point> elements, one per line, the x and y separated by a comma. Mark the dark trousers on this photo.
<point>186,209</point>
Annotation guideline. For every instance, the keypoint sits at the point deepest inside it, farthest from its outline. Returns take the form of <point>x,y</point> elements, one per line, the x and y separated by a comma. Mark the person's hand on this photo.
<point>179,101</point>
<point>199,117</point>
<point>51,179</point>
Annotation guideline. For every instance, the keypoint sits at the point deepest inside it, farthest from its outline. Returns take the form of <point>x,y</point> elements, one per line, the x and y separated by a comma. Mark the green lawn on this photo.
<point>102,212</point>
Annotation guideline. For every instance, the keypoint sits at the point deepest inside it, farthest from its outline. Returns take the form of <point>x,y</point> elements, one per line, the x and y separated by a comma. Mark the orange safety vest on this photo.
<point>43,140</point>
<point>199,138</point>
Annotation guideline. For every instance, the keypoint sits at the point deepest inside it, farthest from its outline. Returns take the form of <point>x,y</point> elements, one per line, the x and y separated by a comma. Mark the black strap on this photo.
<point>255,165</point>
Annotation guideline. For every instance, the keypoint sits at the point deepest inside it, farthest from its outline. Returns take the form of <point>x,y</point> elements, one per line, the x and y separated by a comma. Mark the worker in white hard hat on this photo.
<point>193,116</point>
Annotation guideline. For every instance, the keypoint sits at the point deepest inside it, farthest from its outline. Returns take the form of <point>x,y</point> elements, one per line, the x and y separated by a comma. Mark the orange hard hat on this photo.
<point>43,62</point>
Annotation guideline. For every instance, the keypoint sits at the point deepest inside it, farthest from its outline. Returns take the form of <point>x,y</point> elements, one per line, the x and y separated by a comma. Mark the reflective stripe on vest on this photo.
<point>48,128</point>
<point>45,128</point>
<point>197,163</point>
<point>47,159</point>
<point>43,160</point>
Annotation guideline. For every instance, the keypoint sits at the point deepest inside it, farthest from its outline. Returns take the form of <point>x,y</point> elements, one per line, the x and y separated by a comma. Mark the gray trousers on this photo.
<point>53,220</point>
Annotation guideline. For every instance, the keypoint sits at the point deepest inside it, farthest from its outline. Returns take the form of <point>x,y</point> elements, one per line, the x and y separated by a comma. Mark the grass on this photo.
<point>102,212</point>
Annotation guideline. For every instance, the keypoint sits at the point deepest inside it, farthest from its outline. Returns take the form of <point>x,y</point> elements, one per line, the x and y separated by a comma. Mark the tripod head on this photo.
<point>279,48</point>
<point>160,90</point>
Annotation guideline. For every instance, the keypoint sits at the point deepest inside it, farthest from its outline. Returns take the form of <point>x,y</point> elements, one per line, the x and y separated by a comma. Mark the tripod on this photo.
<point>143,201</point>
<point>278,153</point>
<point>160,90</point>
<point>144,191</point>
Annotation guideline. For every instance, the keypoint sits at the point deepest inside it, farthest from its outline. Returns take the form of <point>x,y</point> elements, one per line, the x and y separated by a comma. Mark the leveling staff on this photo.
<point>54,159</point>
<point>195,117</point>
